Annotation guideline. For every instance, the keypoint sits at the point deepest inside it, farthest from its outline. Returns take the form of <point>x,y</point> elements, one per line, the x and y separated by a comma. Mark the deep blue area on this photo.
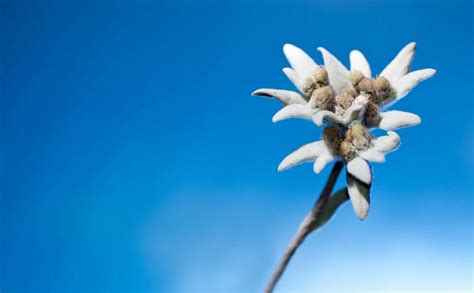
<point>133,157</point>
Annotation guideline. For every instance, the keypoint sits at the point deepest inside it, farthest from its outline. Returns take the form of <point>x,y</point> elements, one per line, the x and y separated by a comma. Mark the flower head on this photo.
<point>355,146</point>
<point>393,83</point>
<point>349,103</point>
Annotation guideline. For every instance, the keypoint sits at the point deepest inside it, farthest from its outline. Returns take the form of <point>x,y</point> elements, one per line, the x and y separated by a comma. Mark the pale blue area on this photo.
<point>133,157</point>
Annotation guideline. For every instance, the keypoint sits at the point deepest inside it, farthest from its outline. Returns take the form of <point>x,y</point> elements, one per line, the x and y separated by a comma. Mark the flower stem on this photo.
<point>305,228</point>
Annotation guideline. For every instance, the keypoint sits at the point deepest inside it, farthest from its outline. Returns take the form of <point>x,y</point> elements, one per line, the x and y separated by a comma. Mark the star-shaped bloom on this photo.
<point>393,83</point>
<point>349,102</point>
<point>355,146</point>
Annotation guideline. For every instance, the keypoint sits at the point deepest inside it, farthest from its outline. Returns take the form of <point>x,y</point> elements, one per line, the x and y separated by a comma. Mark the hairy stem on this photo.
<point>306,227</point>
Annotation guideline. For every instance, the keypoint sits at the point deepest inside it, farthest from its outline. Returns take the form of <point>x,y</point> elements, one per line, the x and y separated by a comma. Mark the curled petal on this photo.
<point>299,60</point>
<point>324,115</point>
<point>359,194</point>
<point>327,116</point>
<point>360,169</point>
<point>308,152</point>
<point>359,63</point>
<point>373,155</point>
<point>337,73</point>
<point>322,161</point>
<point>387,143</point>
<point>391,120</point>
<point>406,83</point>
<point>400,64</point>
<point>284,96</point>
<point>293,111</point>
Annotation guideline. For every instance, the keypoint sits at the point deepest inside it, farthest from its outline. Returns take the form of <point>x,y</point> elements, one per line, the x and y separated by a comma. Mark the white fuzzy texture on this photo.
<point>373,155</point>
<point>322,161</point>
<point>284,96</point>
<point>360,169</point>
<point>387,143</point>
<point>392,120</point>
<point>308,152</point>
<point>337,73</point>
<point>359,63</point>
<point>406,83</point>
<point>293,77</point>
<point>360,197</point>
<point>380,146</point>
<point>400,64</point>
<point>293,111</point>
<point>302,64</point>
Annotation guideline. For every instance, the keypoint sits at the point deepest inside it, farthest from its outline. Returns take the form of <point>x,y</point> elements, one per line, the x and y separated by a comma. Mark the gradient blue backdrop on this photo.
<point>133,157</point>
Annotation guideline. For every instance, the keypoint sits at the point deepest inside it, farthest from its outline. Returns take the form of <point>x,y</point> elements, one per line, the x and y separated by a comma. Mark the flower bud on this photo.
<point>381,84</point>
<point>345,98</point>
<point>366,85</point>
<point>345,149</point>
<point>322,98</point>
<point>355,77</point>
<point>332,135</point>
<point>358,136</point>
<point>320,76</point>
<point>371,115</point>
<point>382,89</point>
<point>308,86</point>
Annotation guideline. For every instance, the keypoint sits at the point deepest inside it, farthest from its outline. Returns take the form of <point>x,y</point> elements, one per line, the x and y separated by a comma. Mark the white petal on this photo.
<point>293,111</point>
<point>400,64</point>
<point>405,84</point>
<point>373,155</point>
<point>322,116</point>
<point>293,77</point>
<point>299,60</point>
<point>322,161</point>
<point>360,169</point>
<point>359,194</point>
<point>387,143</point>
<point>359,63</point>
<point>284,96</point>
<point>308,152</point>
<point>337,73</point>
<point>398,119</point>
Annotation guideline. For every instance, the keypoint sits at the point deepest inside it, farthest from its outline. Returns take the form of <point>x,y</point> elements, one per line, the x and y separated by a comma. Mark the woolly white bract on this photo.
<point>349,103</point>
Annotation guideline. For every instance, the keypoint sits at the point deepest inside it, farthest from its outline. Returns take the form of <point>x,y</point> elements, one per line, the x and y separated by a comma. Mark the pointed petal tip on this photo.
<point>360,197</point>
<point>430,72</point>
<point>257,93</point>
<point>355,54</point>
<point>316,169</point>
<point>393,134</point>
<point>288,46</point>
<point>362,217</point>
<point>416,120</point>
<point>281,167</point>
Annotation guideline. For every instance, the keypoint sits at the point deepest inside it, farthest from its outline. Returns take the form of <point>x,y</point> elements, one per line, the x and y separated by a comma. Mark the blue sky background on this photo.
<point>133,157</point>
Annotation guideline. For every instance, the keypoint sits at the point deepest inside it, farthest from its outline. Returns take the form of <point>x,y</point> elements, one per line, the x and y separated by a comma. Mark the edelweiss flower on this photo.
<point>351,103</point>
<point>393,83</point>
<point>355,146</point>
<point>310,79</point>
